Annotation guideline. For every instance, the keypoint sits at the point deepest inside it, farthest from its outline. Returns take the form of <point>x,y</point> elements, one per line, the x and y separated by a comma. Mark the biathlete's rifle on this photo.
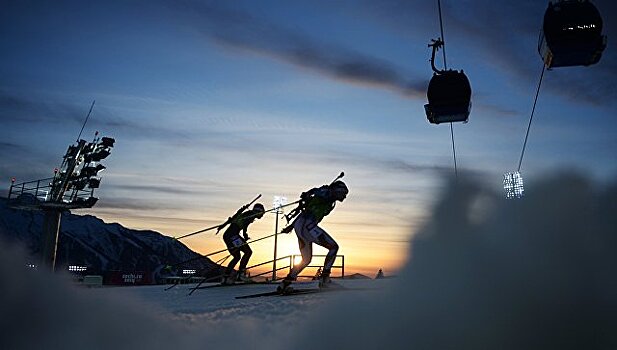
<point>220,226</point>
<point>231,218</point>
<point>217,226</point>
<point>302,203</point>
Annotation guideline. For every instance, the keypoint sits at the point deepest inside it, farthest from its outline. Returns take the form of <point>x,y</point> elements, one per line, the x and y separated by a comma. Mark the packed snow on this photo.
<point>483,273</point>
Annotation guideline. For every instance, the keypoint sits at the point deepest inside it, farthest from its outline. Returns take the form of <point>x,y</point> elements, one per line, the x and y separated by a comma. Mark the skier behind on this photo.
<point>236,244</point>
<point>314,206</point>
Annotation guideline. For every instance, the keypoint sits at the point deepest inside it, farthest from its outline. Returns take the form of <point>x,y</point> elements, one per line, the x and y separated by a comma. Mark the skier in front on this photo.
<point>236,244</point>
<point>314,206</point>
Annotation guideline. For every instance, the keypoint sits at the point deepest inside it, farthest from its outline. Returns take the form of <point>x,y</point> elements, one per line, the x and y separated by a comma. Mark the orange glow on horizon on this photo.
<point>365,250</point>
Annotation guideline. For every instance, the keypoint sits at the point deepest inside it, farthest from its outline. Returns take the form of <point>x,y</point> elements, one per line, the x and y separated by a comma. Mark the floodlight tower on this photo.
<point>71,187</point>
<point>278,204</point>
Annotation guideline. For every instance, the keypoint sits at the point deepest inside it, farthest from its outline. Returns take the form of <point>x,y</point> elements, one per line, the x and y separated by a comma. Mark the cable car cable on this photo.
<point>443,38</point>
<point>445,65</point>
<point>531,117</point>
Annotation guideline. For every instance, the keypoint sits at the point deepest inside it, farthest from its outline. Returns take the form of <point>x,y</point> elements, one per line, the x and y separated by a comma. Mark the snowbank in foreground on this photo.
<point>484,273</point>
<point>487,273</point>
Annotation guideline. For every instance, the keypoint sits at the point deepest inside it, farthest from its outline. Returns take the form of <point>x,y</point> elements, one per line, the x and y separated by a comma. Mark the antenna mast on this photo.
<point>87,116</point>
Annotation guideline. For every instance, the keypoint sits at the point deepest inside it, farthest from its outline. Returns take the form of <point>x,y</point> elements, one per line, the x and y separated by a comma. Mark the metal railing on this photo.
<point>32,188</point>
<point>40,191</point>
<point>290,265</point>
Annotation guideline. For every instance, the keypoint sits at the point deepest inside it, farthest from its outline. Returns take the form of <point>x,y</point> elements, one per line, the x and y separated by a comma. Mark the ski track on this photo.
<point>214,305</point>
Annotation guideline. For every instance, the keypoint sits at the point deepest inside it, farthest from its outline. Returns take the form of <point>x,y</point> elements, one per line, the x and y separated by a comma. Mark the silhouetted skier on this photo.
<point>379,274</point>
<point>314,206</point>
<point>236,244</point>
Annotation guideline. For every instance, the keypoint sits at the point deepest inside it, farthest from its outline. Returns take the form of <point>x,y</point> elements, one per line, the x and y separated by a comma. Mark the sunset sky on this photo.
<point>212,103</point>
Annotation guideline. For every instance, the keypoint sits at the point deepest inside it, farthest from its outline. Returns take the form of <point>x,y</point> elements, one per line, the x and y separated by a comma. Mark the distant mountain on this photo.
<point>88,241</point>
<point>357,276</point>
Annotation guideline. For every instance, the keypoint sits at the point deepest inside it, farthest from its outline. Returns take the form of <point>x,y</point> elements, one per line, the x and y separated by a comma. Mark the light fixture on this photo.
<point>513,185</point>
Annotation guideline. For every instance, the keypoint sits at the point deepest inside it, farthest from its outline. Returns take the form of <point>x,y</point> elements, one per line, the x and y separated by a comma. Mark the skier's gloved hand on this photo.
<point>304,195</point>
<point>246,237</point>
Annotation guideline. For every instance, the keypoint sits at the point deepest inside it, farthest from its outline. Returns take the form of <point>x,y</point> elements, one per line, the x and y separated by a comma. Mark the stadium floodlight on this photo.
<point>91,169</point>
<point>278,202</point>
<point>71,187</point>
<point>513,185</point>
<point>94,182</point>
<point>100,150</point>
<point>107,141</point>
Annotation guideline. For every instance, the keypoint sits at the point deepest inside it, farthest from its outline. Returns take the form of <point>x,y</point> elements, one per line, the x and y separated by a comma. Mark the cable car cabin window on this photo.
<point>449,98</point>
<point>571,34</point>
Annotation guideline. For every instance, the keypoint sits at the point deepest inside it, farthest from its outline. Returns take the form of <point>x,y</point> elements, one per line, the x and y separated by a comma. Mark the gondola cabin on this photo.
<point>449,97</point>
<point>571,34</point>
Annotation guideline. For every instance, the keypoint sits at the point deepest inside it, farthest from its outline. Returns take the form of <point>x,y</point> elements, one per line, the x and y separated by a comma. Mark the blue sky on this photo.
<point>212,103</point>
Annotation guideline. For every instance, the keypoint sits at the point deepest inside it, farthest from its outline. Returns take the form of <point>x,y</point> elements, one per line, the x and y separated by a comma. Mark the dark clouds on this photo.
<point>507,34</point>
<point>24,163</point>
<point>241,30</point>
<point>129,203</point>
<point>503,34</point>
<point>17,109</point>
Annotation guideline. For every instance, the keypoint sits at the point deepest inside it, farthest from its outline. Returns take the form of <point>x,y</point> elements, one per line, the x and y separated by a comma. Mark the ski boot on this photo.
<point>227,280</point>
<point>285,286</point>
<point>242,277</point>
<point>326,282</point>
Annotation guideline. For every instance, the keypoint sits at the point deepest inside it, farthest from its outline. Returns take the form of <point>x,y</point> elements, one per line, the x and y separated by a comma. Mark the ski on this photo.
<point>178,282</point>
<point>277,293</point>
<point>232,285</point>
<point>304,291</point>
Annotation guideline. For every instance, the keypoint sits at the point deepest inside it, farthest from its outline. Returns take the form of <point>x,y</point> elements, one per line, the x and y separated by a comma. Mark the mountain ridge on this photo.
<point>87,240</point>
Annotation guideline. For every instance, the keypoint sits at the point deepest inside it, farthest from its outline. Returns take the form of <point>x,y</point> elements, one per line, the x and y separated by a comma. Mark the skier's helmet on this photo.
<point>259,209</point>
<point>339,190</point>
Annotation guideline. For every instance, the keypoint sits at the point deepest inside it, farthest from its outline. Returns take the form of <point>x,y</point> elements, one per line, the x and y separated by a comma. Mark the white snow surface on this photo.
<point>483,273</point>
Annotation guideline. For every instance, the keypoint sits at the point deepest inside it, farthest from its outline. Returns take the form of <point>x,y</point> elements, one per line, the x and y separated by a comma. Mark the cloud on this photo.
<point>128,203</point>
<point>505,34</point>
<point>23,163</point>
<point>243,31</point>
<point>25,110</point>
<point>9,147</point>
<point>173,190</point>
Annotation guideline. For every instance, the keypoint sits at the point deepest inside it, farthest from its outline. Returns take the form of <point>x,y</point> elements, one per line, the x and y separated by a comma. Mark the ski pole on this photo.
<point>219,262</point>
<point>220,251</point>
<point>217,226</point>
<point>204,270</point>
